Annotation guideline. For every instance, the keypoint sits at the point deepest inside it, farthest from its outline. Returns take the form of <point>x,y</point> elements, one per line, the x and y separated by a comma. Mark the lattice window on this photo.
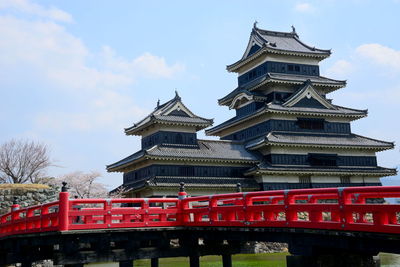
<point>322,160</point>
<point>305,179</point>
<point>345,179</point>
<point>311,124</point>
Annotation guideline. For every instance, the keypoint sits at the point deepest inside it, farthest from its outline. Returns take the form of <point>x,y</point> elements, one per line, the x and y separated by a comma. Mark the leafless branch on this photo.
<point>23,161</point>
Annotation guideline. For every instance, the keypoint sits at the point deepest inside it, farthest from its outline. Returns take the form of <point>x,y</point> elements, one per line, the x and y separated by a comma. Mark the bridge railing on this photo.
<point>34,219</point>
<point>83,214</point>
<point>349,209</point>
<point>122,213</point>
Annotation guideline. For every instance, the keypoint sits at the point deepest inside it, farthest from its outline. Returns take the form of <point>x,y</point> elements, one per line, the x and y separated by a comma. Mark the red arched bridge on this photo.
<point>319,225</point>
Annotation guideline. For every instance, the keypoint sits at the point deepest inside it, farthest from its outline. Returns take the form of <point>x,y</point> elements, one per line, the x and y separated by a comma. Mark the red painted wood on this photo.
<point>347,210</point>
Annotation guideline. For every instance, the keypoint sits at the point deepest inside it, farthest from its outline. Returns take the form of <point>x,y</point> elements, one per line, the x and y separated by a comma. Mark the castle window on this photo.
<point>345,179</point>
<point>311,124</point>
<point>178,139</point>
<point>322,159</point>
<point>186,171</point>
<point>305,179</point>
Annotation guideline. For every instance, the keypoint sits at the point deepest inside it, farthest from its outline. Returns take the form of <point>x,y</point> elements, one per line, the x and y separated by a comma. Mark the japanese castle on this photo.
<point>285,134</point>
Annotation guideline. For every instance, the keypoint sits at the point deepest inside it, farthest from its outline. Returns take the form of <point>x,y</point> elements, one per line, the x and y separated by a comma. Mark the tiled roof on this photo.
<point>226,100</point>
<point>207,150</point>
<point>372,171</point>
<point>316,80</point>
<point>224,150</point>
<point>287,43</point>
<point>281,78</point>
<point>247,184</point>
<point>115,166</point>
<point>326,140</point>
<point>340,111</point>
<point>226,182</point>
<point>161,115</point>
<point>277,108</point>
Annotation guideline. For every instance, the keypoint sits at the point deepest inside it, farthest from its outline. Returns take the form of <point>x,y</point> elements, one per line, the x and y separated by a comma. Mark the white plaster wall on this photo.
<point>278,179</point>
<point>325,179</point>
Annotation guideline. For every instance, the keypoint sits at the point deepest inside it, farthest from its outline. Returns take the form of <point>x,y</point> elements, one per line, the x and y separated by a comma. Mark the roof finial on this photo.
<point>255,24</point>
<point>158,103</point>
<point>176,94</point>
<point>293,29</point>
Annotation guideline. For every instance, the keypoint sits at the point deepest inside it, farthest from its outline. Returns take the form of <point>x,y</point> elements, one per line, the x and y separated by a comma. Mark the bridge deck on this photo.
<point>103,245</point>
<point>309,220</point>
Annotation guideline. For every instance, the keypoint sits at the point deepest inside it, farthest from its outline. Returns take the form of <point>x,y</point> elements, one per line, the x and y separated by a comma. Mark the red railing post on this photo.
<point>248,214</point>
<point>14,215</point>
<point>346,215</point>
<point>180,217</point>
<point>63,209</point>
<point>314,215</point>
<point>291,213</point>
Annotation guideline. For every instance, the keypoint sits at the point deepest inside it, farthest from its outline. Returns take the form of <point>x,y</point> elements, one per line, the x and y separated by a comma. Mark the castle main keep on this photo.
<point>286,132</point>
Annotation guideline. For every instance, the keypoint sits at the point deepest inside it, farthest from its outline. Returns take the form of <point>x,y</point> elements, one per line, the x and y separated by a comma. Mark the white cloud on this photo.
<point>25,6</point>
<point>340,68</point>
<point>110,111</point>
<point>380,54</point>
<point>304,8</point>
<point>147,65</point>
<point>96,83</point>
<point>368,90</point>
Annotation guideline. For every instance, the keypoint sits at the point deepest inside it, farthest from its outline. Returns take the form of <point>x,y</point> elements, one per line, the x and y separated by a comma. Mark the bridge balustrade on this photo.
<point>41,218</point>
<point>348,209</point>
<point>322,208</point>
<point>122,213</point>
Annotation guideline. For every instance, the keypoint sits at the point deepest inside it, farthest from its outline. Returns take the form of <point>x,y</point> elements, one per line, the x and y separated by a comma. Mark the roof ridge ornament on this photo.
<point>158,104</point>
<point>255,24</point>
<point>294,30</point>
<point>177,95</point>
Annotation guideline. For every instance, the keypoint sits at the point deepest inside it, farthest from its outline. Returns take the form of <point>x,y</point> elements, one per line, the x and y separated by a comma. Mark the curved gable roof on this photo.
<point>277,42</point>
<point>171,112</point>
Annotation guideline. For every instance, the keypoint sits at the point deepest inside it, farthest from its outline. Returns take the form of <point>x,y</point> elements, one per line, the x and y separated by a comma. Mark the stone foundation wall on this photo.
<point>26,195</point>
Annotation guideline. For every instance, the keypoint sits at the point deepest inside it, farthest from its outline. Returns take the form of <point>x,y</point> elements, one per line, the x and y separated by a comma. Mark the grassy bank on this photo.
<point>241,260</point>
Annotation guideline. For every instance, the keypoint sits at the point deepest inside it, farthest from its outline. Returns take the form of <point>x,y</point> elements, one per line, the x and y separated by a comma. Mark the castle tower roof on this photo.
<point>172,112</point>
<point>274,42</point>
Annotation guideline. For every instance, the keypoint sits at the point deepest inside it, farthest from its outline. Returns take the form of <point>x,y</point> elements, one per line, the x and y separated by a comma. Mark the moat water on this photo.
<point>244,260</point>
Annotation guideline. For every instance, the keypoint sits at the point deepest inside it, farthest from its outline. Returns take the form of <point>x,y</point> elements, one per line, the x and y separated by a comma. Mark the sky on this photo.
<point>74,74</point>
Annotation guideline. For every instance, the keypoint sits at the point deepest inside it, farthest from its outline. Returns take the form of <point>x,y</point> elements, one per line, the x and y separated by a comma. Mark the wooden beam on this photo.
<point>154,262</point>
<point>194,261</point>
<point>227,260</point>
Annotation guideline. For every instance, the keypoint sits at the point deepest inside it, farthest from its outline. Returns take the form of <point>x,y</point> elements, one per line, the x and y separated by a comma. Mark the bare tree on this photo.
<point>23,161</point>
<point>84,185</point>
